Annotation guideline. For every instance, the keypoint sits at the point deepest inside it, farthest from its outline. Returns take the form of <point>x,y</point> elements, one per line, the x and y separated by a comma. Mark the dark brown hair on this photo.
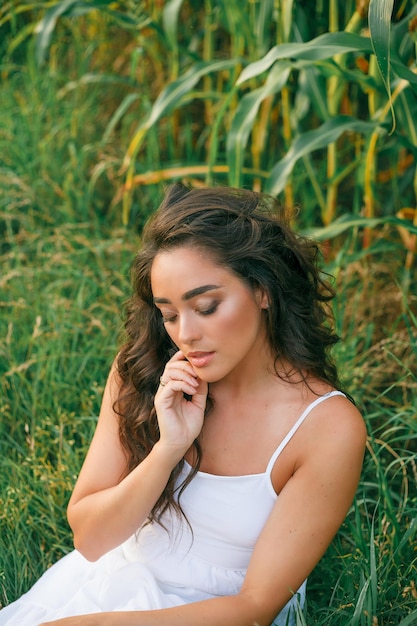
<point>247,233</point>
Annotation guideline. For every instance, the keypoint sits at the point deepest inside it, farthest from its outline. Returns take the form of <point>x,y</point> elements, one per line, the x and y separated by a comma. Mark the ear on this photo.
<point>262,298</point>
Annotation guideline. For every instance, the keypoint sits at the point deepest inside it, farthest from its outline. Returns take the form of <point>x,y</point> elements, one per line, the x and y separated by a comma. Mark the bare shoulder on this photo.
<point>334,434</point>
<point>324,462</point>
<point>337,418</point>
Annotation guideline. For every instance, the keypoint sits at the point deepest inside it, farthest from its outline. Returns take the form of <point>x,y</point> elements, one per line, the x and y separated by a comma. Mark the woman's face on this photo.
<point>213,317</point>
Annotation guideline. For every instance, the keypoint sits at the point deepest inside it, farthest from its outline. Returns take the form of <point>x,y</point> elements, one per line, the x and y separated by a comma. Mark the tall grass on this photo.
<point>62,290</point>
<point>103,107</point>
<point>62,293</point>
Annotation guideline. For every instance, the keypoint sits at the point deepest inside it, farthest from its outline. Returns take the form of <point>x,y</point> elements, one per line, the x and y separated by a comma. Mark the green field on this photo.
<point>99,110</point>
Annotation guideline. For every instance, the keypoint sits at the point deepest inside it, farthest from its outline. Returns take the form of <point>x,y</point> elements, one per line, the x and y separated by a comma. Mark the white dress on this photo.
<point>158,569</point>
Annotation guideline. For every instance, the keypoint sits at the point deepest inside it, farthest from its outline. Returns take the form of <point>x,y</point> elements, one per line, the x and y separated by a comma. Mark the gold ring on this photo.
<point>162,383</point>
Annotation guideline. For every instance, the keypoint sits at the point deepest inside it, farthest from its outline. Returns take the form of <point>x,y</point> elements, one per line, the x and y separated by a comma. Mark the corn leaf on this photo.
<point>47,25</point>
<point>170,98</point>
<point>286,19</point>
<point>410,620</point>
<point>118,114</point>
<point>322,47</point>
<point>311,86</point>
<point>379,19</point>
<point>407,114</point>
<point>348,221</point>
<point>170,15</point>
<point>263,24</point>
<point>245,116</point>
<point>402,70</point>
<point>312,140</point>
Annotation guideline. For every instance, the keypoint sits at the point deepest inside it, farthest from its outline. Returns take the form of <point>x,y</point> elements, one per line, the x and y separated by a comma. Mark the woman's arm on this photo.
<point>106,509</point>
<point>305,518</point>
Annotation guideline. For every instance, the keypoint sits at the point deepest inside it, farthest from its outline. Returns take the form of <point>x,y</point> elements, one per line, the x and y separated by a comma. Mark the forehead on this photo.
<point>185,268</point>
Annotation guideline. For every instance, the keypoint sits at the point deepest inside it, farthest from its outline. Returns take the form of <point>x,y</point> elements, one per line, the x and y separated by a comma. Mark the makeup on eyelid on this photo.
<point>209,310</point>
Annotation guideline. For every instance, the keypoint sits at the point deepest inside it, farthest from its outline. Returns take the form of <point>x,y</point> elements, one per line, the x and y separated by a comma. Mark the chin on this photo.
<point>211,377</point>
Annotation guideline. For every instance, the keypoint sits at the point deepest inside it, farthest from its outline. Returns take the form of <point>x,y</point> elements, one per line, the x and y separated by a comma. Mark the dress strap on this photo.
<point>297,425</point>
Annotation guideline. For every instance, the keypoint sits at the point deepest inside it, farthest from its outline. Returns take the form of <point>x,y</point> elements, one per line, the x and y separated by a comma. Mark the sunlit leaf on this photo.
<point>379,19</point>
<point>322,47</point>
<point>410,620</point>
<point>263,24</point>
<point>347,222</point>
<point>73,8</point>
<point>119,113</point>
<point>402,70</point>
<point>287,13</point>
<point>407,115</point>
<point>312,140</point>
<point>168,100</point>
<point>245,116</point>
<point>171,96</point>
<point>170,21</point>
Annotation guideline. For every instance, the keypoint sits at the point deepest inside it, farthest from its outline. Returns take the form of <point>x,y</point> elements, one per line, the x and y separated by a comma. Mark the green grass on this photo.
<point>65,130</point>
<point>61,300</point>
<point>62,292</point>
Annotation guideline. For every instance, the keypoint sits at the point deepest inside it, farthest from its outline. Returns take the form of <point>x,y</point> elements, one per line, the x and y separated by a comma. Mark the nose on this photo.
<point>188,329</point>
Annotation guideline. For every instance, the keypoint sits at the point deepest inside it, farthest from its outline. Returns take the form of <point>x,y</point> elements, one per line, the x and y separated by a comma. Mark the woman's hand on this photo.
<point>180,420</point>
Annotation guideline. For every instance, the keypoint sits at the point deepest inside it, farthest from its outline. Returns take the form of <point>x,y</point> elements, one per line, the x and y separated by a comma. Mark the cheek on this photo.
<point>239,319</point>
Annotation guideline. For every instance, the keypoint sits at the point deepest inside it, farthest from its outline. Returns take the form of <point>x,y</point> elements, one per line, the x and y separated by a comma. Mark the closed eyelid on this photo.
<point>168,318</point>
<point>210,307</point>
<point>201,308</point>
<point>166,315</point>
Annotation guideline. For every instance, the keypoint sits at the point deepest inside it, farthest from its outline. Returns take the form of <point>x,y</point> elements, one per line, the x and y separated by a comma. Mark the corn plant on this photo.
<point>315,105</point>
<point>103,103</point>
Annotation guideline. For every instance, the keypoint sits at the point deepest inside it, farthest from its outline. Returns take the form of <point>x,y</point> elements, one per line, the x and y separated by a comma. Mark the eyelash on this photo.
<point>211,309</point>
<point>168,319</point>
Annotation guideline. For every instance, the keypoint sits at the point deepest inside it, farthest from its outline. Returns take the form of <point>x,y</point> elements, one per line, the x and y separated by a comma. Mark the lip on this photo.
<point>200,359</point>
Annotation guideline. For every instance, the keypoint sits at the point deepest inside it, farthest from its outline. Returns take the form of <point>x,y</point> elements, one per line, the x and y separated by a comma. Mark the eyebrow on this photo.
<point>188,294</point>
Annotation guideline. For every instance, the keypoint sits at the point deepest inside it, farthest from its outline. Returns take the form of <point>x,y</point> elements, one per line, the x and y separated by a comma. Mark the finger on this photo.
<point>179,370</point>
<point>178,376</point>
<point>183,386</point>
<point>200,395</point>
<point>187,377</point>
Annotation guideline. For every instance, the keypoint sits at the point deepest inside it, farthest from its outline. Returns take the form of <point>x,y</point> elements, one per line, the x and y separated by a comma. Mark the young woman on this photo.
<point>225,456</point>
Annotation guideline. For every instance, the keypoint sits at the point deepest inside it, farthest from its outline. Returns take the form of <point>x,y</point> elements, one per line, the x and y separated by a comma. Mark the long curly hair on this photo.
<point>249,234</point>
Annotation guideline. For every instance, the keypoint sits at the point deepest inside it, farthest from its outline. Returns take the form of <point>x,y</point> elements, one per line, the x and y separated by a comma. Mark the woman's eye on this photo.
<point>168,318</point>
<point>209,310</point>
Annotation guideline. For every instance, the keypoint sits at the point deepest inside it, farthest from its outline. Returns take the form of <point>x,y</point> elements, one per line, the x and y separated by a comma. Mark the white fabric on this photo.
<point>159,569</point>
